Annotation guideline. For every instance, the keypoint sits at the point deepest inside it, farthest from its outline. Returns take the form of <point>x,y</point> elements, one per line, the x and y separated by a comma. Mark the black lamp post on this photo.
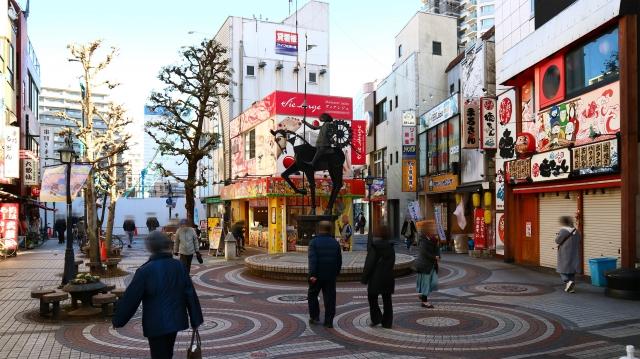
<point>369,182</point>
<point>67,156</point>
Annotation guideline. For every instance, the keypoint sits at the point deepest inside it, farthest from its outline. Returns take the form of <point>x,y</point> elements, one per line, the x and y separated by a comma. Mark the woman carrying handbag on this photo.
<point>427,267</point>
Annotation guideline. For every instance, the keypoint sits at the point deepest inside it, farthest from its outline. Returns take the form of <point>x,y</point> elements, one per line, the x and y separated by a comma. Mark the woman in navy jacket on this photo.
<point>167,294</point>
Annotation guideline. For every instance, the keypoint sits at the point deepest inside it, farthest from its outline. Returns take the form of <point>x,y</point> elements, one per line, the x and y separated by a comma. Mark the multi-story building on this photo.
<point>568,127</point>
<point>417,82</point>
<point>265,56</point>
<point>476,18</point>
<point>19,87</point>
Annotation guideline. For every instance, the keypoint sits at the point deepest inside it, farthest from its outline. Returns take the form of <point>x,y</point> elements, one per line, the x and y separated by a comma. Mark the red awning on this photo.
<point>564,186</point>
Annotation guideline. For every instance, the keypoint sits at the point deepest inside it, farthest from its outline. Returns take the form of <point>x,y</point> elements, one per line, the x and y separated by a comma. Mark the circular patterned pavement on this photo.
<point>508,289</point>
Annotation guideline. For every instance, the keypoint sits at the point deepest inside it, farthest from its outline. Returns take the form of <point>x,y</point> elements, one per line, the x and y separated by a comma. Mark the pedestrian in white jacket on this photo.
<point>186,244</point>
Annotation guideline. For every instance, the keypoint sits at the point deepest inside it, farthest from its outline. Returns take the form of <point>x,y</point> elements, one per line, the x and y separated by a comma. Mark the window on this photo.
<point>390,105</point>
<point>251,70</point>
<point>11,64</point>
<point>250,145</point>
<point>396,101</point>
<point>381,112</point>
<point>487,10</point>
<point>442,147</point>
<point>399,51</point>
<point>312,77</point>
<point>485,24</point>
<point>422,154</point>
<point>437,48</point>
<point>593,63</point>
<point>396,156</point>
<point>533,8</point>
<point>378,163</point>
<point>391,158</point>
<point>452,88</point>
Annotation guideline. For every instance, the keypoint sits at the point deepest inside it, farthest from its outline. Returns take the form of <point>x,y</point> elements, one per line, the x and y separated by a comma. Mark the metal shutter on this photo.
<point>602,225</point>
<point>551,208</point>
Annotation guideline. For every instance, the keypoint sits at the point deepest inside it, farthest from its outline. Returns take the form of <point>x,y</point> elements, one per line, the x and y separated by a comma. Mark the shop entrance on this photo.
<point>527,238</point>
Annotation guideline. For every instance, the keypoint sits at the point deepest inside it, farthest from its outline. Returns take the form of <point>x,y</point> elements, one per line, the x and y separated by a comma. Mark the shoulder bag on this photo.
<point>566,237</point>
<point>195,350</point>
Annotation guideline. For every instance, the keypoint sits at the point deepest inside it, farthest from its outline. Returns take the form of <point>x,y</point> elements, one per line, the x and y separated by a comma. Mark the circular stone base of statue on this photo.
<point>294,266</point>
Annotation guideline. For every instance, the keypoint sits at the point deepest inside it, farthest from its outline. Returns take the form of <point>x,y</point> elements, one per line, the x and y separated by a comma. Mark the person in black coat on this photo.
<point>129,226</point>
<point>325,261</point>
<point>378,275</point>
<point>60,226</point>
<point>152,224</point>
<point>427,267</point>
<point>167,295</point>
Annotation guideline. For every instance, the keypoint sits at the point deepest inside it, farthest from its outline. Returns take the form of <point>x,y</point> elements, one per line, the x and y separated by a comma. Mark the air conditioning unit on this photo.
<point>551,81</point>
<point>296,69</point>
<point>262,64</point>
<point>322,71</point>
<point>279,66</point>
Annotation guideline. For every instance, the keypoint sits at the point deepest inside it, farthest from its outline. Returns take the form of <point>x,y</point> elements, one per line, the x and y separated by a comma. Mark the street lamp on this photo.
<point>67,156</point>
<point>369,182</point>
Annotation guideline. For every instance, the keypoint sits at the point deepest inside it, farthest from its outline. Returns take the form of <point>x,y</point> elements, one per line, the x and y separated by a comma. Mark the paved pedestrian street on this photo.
<point>484,309</point>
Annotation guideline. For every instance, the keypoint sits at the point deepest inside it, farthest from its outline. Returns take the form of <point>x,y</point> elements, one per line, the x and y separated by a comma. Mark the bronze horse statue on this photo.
<point>332,161</point>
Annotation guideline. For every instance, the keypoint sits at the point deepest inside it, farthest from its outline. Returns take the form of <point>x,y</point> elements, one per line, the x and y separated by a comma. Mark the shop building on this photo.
<point>257,195</point>
<point>567,128</point>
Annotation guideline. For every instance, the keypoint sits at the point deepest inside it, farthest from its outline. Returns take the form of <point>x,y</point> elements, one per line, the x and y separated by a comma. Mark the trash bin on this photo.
<point>598,266</point>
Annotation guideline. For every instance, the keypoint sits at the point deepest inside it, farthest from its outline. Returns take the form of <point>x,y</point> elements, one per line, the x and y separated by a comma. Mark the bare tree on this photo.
<point>192,94</point>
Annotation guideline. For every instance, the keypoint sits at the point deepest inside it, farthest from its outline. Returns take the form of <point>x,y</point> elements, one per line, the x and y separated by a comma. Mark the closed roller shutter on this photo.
<point>602,225</point>
<point>551,208</point>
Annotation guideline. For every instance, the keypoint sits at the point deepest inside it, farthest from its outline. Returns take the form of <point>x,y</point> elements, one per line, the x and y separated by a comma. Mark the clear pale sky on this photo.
<point>148,34</point>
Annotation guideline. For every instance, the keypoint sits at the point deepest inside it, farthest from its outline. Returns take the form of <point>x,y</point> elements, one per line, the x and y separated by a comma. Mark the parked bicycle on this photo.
<point>8,247</point>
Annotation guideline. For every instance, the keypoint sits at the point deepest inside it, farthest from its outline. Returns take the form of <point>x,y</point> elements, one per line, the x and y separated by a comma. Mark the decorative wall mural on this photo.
<point>527,105</point>
<point>581,120</point>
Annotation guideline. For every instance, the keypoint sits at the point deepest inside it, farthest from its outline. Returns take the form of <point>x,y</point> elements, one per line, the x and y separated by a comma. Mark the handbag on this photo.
<point>195,350</point>
<point>199,257</point>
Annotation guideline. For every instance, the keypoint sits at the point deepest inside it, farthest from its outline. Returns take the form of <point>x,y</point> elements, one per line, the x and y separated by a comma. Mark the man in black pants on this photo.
<point>325,261</point>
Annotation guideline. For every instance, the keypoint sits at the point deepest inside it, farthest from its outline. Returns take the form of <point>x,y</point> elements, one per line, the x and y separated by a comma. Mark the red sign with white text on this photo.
<point>358,142</point>
<point>290,103</point>
<point>479,229</point>
<point>9,221</point>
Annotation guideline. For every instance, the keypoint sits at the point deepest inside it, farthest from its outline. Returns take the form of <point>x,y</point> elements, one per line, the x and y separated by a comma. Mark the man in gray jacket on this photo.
<point>568,241</point>
<point>186,244</point>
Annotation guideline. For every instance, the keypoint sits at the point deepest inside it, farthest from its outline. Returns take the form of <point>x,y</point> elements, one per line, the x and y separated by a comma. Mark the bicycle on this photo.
<point>116,242</point>
<point>8,247</point>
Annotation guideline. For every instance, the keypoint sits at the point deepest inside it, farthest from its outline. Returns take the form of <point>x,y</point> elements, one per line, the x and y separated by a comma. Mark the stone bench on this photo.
<point>54,299</point>
<point>77,264</point>
<point>95,267</point>
<point>106,301</point>
<point>38,294</point>
<point>112,265</point>
<point>116,252</point>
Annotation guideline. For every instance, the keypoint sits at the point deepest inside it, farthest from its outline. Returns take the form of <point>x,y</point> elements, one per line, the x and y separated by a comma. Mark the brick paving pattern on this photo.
<point>484,309</point>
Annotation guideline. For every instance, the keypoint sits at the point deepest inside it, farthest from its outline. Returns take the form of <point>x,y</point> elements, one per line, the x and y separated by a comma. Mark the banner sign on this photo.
<point>479,230</point>
<point>552,165</point>
<point>286,43</point>
<point>438,211</point>
<point>291,103</point>
<point>31,172</point>
<point>414,210</point>
<point>409,175</point>
<point>11,154</point>
<point>275,187</point>
<point>409,136</point>
<point>470,119</point>
<point>518,171</point>
<point>358,143</point>
<point>506,107</point>
<point>378,190</point>
<point>596,158</point>
<point>500,233</point>
<point>409,118</point>
<point>9,221</point>
<point>409,152</point>
<point>443,183</point>
<point>440,113</point>
<point>489,123</point>
<point>500,184</point>
<point>54,185</point>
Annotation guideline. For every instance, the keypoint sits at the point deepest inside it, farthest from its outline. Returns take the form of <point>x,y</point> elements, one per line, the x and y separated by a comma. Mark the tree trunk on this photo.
<point>189,192</point>
<point>92,225</point>
<point>110,220</point>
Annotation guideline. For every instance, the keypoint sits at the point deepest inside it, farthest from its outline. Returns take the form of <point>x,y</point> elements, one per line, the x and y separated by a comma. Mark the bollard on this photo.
<point>230,248</point>
<point>630,353</point>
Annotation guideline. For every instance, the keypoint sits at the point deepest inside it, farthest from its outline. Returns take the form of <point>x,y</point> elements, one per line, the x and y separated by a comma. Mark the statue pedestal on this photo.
<point>308,227</point>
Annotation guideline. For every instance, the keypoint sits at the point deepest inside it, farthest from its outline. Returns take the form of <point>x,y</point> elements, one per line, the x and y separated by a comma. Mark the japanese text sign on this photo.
<point>470,117</point>
<point>489,123</point>
<point>552,165</point>
<point>286,43</point>
<point>409,175</point>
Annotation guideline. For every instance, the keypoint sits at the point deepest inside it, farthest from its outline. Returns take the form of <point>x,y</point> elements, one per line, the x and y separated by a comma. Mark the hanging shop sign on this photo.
<point>552,165</point>
<point>409,136</point>
<point>377,190</point>
<point>409,152</point>
<point>597,158</point>
<point>54,185</point>
<point>470,122</point>
<point>358,142</point>
<point>440,214</point>
<point>500,184</point>
<point>292,103</point>
<point>518,171</point>
<point>11,155</point>
<point>443,183</point>
<point>489,123</point>
<point>506,107</point>
<point>409,175</point>
<point>500,233</point>
<point>413,208</point>
<point>286,43</point>
<point>9,221</point>
<point>440,113</point>
<point>30,172</point>
<point>409,118</point>
<point>479,229</point>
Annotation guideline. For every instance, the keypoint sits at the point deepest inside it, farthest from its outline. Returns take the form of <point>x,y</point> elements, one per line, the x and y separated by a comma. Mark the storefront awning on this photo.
<point>473,187</point>
<point>592,183</point>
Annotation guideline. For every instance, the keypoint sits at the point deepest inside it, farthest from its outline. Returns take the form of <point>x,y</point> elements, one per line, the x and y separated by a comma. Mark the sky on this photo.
<point>149,33</point>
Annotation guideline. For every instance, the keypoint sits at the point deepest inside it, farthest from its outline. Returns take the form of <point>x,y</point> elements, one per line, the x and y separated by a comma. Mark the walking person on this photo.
<point>129,226</point>
<point>361,222</point>
<point>238,233</point>
<point>345,233</point>
<point>325,261</point>
<point>378,275</point>
<point>152,224</point>
<point>427,267</point>
<point>409,232</point>
<point>60,227</point>
<point>186,244</point>
<point>568,241</point>
<point>167,295</point>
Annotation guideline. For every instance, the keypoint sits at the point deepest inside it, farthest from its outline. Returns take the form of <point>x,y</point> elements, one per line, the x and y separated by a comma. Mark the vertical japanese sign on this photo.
<point>409,175</point>
<point>31,173</point>
<point>470,119</point>
<point>438,211</point>
<point>500,184</point>
<point>489,123</point>
<point>507,125</point>
<point>500,233</point>
<point>479,230</point>
<point>358,142</point>
<point>286,43</point>
<point>11,152</point>
<point>9,221</point>
<point>46,145</point>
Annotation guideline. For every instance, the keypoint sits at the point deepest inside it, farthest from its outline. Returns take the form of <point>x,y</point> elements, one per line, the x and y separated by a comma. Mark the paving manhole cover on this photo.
<point>438,322</point>
<point>288,299</point>
<point>508,289</point>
